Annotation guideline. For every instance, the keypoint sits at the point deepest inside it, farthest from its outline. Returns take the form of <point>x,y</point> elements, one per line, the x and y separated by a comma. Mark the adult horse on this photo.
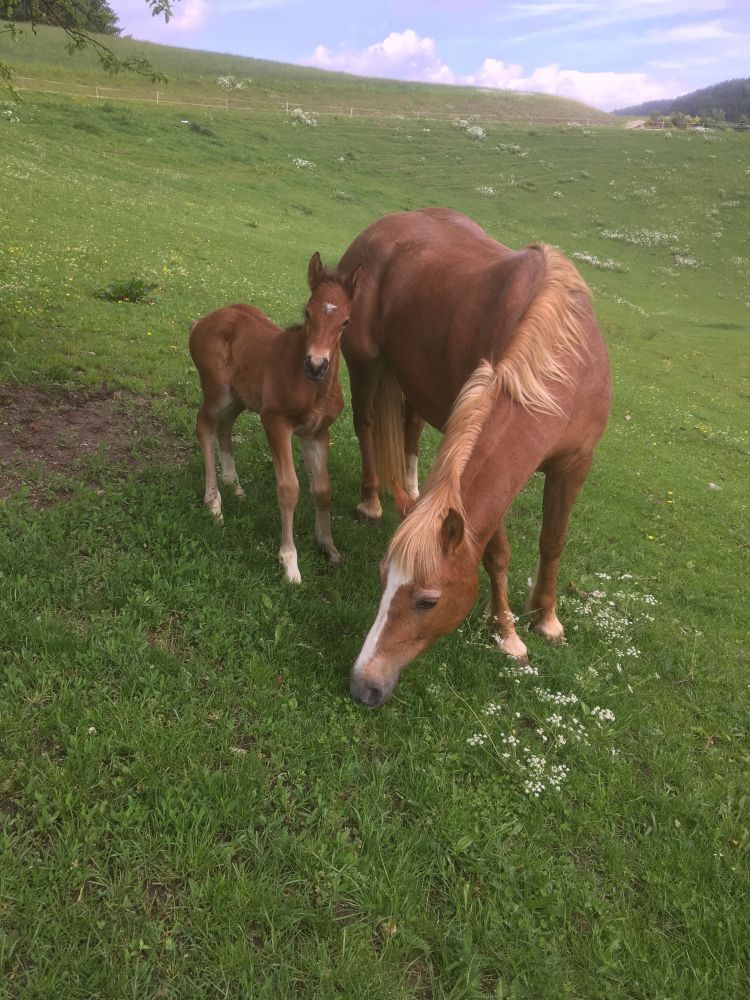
<point>501,350</point>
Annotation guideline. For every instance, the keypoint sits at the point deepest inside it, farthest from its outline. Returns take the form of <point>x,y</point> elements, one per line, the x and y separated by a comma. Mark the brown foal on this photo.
<point>290,378</point>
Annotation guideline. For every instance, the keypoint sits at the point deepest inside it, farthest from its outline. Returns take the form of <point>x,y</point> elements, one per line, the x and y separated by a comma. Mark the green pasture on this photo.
<point>190,804</point>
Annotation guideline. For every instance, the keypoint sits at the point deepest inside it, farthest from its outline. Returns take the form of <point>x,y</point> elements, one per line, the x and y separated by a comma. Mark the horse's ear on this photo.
<point>401,499</point>
<point>314,271</point>
<point>452,531</point>
<point>350,283</point>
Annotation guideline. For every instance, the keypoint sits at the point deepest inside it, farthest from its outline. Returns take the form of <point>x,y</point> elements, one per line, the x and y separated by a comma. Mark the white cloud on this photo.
<point>189,15</point>
<point>407,56</point>
<point>401,56</point>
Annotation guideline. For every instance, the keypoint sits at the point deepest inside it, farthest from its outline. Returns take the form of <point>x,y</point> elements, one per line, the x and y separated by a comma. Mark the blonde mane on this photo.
<point>550,333</point>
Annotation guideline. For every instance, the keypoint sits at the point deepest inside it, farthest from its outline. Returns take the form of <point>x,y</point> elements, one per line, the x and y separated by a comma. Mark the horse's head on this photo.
<point>326,315</point>
<point>428,590</point>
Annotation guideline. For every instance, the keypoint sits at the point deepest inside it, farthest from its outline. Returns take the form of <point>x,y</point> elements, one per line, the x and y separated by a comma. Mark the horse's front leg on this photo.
<point>561,487</point>
<point>496,559</point>
<point>315,450</point>
<point>279,435</point>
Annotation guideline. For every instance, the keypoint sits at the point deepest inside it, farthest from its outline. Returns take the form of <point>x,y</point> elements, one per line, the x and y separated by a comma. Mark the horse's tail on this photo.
<point>388,430</point>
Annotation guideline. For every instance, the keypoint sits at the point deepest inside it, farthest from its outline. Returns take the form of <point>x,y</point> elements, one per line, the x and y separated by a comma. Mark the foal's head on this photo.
<point>326,315</point>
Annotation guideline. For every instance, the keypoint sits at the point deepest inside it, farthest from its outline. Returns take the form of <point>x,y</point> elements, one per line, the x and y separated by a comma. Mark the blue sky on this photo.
<point>608,54</point>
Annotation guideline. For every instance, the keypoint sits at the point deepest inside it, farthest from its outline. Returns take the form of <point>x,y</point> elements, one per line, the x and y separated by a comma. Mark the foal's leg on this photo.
<point>205,429</point>
<point>413,425</point>
<point>315,450</point>
<point>561,487</point>
<point>363,378</point>
<point>226,451</point>
<point>279,435</point>
<point>495,559</point>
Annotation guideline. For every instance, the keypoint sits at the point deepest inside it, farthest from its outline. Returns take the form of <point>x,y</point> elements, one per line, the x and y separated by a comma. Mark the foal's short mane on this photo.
<point>552,331</point>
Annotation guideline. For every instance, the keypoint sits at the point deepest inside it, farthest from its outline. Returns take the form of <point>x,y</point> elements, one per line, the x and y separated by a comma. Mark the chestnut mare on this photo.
<point>500,350</point>
<point>289,377</point>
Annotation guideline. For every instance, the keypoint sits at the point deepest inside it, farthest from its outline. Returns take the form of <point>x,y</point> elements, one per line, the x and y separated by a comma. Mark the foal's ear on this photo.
<point>452,531</point>
<point>350,284</point>
<point>401,499</point>
<point>315,271</point>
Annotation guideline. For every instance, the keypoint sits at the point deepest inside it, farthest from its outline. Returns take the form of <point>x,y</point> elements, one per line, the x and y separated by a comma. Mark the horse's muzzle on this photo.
<point>369,692</point>
<point>313,371</point>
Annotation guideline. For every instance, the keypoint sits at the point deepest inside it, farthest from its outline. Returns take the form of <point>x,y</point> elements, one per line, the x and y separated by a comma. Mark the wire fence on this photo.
<point>167,98</point>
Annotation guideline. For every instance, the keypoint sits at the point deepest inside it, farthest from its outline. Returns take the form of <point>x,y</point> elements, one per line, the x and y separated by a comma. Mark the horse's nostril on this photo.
<point>374,696</point>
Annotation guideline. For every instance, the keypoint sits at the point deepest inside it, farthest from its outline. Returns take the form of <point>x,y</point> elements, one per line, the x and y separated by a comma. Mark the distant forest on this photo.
<point>729,101</point>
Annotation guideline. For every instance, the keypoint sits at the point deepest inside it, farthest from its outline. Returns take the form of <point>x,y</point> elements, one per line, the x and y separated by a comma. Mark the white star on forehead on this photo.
<point>330,307</point>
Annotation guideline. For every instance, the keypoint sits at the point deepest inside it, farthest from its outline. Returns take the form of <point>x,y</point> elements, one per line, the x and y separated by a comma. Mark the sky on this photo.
<point>607,53</point>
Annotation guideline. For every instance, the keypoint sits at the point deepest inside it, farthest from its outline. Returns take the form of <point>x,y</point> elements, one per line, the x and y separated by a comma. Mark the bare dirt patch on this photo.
<point>49,438</point>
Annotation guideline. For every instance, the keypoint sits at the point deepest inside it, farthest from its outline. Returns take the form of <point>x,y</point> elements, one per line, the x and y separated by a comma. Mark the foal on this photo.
<point>289,377</point>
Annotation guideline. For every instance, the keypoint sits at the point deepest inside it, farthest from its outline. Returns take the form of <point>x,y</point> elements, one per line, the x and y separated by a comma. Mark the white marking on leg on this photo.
<point>288,559</point>
<point>396,579</point>
<point>229,473</point>
<point>411,484</point>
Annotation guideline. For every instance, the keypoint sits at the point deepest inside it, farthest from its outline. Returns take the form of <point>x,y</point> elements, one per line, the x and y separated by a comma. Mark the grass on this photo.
<point>190,804</point>
<point>194,75</point>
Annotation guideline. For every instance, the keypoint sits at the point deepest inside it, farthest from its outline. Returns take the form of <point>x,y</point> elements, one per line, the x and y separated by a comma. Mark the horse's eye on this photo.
<point>346,322</point>
<point>426,602</point>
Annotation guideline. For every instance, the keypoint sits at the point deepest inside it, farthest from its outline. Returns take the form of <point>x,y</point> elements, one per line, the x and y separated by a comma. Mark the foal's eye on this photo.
<point>345,323</point>
<point>426,602</point>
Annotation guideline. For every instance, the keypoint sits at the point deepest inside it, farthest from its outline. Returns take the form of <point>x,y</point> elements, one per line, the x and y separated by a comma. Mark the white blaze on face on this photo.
<point>330,308</point>
<point>396,580</point>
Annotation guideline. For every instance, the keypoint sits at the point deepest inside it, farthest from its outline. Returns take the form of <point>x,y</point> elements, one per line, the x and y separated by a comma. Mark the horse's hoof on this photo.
<point>335,558</point>
<point>553,634</point>
<point>514,648</point>
<point>364,518</point>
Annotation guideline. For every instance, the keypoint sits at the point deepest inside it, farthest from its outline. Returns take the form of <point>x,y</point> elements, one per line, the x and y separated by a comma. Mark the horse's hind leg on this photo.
<point>205,429</point>
<point>562,484</point>
<point>315,450</point>
<point>363,378</point>
<point>226,451</point>
<point>413,426</point>
<point>495,559</point>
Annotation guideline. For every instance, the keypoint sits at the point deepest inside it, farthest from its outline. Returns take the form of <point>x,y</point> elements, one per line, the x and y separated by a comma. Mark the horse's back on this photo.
<point>220,338</point>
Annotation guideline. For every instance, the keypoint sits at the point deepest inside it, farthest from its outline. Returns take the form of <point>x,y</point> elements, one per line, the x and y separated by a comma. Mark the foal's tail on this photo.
<point>388,430</point>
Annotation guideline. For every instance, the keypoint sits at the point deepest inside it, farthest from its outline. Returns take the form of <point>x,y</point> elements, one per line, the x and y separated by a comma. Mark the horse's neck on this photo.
<point>510,448</point>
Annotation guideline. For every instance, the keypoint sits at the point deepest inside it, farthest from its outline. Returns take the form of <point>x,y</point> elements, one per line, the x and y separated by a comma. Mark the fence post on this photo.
<point>157,96</point>
<point>227,101</point>
<point>351,112</point>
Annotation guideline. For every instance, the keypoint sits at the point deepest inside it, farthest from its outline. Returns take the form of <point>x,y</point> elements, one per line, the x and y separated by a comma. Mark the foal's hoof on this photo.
<point>335,558</point>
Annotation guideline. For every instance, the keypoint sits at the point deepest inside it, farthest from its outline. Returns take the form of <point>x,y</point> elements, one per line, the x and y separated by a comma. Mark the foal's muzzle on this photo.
<point>315,371</point>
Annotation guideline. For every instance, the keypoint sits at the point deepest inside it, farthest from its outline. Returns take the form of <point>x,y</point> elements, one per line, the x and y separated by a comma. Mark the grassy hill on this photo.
<point>194,74</point>
<point>190,805</point>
